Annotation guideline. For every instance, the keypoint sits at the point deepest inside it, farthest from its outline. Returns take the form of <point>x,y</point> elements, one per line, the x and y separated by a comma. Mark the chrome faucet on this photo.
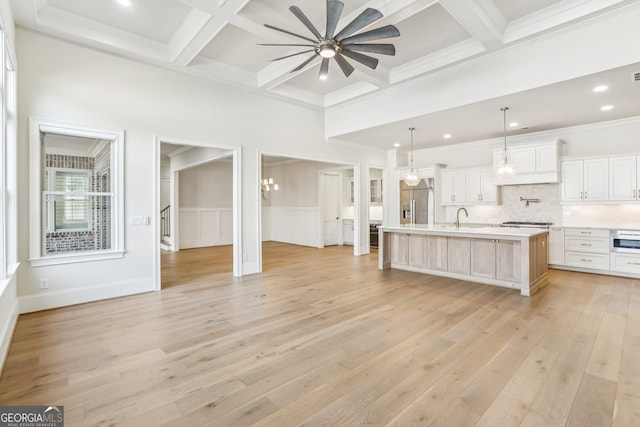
<point>457,221</point>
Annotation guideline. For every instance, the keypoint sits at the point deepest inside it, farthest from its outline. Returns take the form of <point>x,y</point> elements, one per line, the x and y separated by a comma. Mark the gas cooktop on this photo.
<point>526,224</point>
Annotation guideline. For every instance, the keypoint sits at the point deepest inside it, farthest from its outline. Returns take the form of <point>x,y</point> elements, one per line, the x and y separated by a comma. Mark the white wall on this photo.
<point>62,81</point>
<point>206,201</point>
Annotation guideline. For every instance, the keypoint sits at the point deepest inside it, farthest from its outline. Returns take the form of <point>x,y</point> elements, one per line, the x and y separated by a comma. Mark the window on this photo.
<point>8,178</point>
<point>79,213</point>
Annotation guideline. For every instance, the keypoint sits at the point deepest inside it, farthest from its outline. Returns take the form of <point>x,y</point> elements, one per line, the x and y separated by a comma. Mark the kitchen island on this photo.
<point>509,257</point>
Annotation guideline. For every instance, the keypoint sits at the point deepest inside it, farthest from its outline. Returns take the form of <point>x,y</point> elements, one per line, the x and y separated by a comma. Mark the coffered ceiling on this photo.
<point>218,39</point>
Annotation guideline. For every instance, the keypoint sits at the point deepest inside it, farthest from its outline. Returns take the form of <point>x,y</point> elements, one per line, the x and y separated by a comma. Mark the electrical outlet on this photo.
<point>44,283</point>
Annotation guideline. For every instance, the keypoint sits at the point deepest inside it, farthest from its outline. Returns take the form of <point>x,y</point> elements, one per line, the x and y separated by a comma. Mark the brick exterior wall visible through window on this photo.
<point>98,237</point>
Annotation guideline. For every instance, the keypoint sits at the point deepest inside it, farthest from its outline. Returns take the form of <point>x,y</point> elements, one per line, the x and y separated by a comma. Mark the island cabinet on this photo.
<point>495,256</point>
<point>496,259</point>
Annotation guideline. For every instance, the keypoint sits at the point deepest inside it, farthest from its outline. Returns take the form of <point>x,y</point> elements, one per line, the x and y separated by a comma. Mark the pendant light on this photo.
<point>411,178</point>
<point>505,169</point>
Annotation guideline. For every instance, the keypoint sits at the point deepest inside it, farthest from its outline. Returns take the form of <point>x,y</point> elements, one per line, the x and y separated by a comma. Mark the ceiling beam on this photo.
<point>219,17</point>
<point>483,21</point>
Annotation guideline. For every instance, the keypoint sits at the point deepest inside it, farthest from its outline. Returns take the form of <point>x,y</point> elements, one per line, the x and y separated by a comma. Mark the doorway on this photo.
<point>197,232</point>
<point>331,185</point>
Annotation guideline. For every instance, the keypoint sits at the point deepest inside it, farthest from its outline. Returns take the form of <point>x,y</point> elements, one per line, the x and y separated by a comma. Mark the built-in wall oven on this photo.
<point>624,241</point>
<point>373,235</point>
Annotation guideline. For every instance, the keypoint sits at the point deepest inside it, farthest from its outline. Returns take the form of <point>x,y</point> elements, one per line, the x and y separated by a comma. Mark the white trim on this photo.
<point>7,334</point>
<point>70,258</point>
<point>67,297</point>
<point>36,127</point>
<point>236,154</point>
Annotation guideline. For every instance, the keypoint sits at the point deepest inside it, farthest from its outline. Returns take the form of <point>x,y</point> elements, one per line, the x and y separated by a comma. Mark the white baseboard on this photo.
<point>66,297</point>
<point>166,246</point>
<point>7,334</point>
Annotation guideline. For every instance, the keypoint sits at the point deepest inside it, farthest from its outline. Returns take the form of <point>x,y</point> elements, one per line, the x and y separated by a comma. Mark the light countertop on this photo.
<point>449,229</point>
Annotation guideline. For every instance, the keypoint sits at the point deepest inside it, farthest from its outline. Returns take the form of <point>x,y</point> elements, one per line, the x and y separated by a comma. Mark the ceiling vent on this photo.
<point>635,77</point>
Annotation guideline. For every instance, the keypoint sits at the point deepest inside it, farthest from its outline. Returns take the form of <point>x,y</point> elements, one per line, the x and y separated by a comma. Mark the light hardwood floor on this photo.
<point>324,338</point>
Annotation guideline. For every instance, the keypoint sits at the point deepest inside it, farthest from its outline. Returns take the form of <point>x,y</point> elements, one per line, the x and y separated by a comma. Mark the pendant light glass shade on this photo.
<point>411,178</point>
<point>504,169</point>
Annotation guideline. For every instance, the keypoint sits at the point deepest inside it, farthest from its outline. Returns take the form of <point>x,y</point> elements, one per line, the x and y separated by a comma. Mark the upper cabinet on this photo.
<point>585,180</point>
<point>375,191</point>
<point>534,163</point>
<point>468,187</point>
<point>624,178</point>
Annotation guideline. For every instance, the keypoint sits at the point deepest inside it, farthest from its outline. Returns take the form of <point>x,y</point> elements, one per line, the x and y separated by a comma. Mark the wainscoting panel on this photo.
<point>298,226</point>
<point>200,227</point>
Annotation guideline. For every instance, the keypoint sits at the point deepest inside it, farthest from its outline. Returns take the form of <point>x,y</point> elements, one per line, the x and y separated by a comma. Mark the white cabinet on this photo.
<point>624,177</point>
<point>347,231</point>
<point>556,246</point>
<point>585,180</point>
<point>480,186</point>
<point>586,248</point>
<point>454,185</point>
<point>375,191</point>
<point>468,187</point>
<point>625,263</point>
<point>534,163</point>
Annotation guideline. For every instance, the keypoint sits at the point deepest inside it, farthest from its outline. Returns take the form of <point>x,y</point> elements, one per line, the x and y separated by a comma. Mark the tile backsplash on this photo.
<point>512,209</point>
<point>548,210</point>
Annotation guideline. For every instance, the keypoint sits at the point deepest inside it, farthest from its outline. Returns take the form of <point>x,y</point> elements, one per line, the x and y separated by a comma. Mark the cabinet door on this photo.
<point>418,251</point>
<point>556,246</point>
<point>399,248</point>
<point>571,187</point>
<point>622,178</point>
<point>459,187</point>
<point>508,260</point>
<point>347,232</point>
<point>437,253</point>
<point>489,188</point>
<point>473,191</point>
<point>447,189</point>
<point>459,255</point>
<point>483,258</point>
<point>596,180</point>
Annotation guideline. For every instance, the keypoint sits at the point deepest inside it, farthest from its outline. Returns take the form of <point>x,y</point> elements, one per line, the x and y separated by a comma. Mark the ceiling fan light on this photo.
<point>327,51</point>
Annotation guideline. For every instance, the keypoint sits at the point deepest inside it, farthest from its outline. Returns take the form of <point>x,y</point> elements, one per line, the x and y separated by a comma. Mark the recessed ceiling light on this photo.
<point>397,144</point>
<point>513,124</point>
<point>323,77</point>
<point>447,136</point>
<point>600,88</point>
<point>607,108</point>
<point>124,2</point>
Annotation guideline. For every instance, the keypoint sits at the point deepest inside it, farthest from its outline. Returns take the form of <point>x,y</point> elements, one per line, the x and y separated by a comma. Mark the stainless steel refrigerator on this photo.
<point>417,203</point>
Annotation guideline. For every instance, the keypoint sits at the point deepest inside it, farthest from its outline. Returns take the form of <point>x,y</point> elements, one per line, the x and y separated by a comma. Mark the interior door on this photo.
<point>331,214</point>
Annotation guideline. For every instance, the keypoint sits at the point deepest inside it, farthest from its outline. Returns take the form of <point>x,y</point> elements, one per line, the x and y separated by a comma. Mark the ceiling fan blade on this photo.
<point>383,49</point>
<point>303,18</point>
<point>290,33</point>
<point>368,16</point>
<point>304,64</point>
<point>285,44</point>
<point>324,69</point>
<point>334,10</point>
<point>369,61</point>
<point>346,68</point>
<point>385,32</point>
<point>293,54</point>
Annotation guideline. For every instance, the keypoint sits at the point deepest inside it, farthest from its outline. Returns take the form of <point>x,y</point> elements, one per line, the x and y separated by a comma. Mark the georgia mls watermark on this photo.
<point>31,416</point>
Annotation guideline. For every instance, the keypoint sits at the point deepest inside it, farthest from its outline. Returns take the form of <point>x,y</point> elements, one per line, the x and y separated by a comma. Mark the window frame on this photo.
<point>37,127</point>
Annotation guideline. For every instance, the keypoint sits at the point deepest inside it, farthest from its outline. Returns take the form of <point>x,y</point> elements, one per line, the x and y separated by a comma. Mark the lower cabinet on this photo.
<point>418,250</point>
<point>496,259</point>
<point>421,251</point>
<point>347,232</point>
<point>437,253</point>
<point>625,263</point>
<point>400,249</point>
<point>459,255</point>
